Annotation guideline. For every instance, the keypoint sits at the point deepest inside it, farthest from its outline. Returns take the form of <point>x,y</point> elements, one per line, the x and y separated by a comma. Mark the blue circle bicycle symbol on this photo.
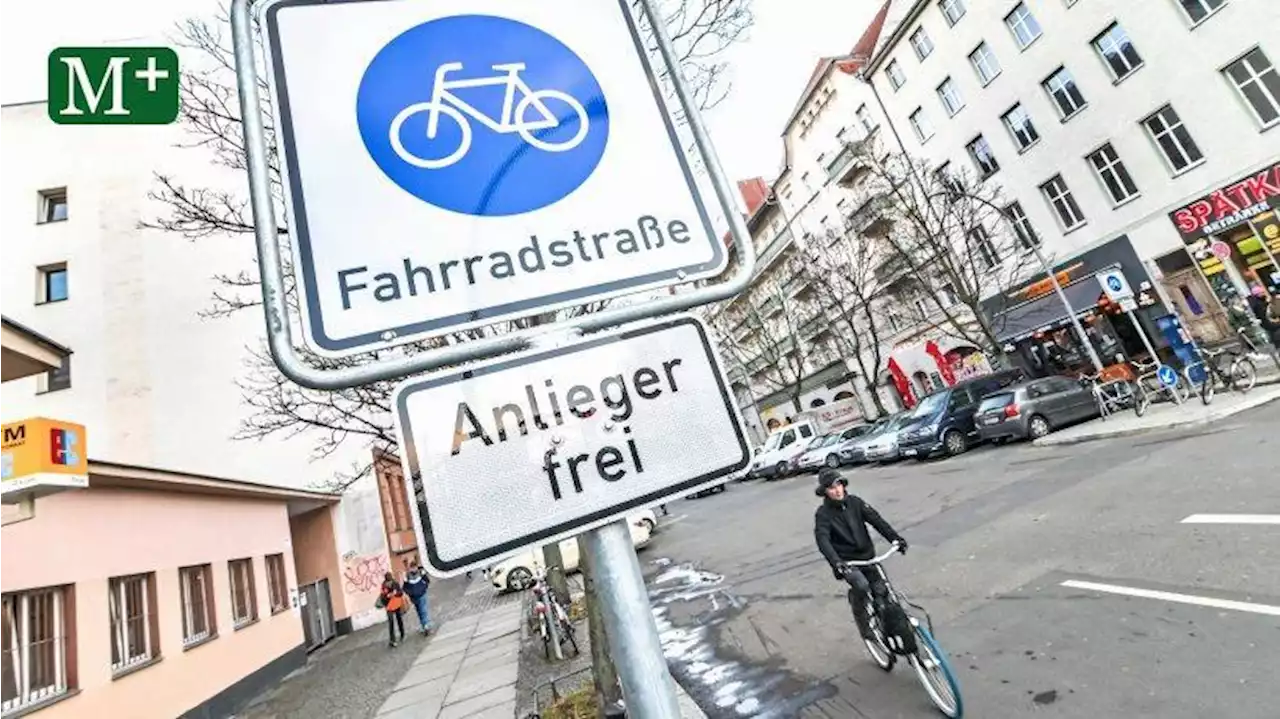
<point>482,115</point>
<point>1114,283</point>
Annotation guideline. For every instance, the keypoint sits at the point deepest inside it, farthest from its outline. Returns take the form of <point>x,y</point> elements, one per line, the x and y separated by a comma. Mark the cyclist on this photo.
<point>840,529</point>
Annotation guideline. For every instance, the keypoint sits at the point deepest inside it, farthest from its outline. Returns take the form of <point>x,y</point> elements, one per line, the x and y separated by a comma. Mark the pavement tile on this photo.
<point>489,652</point>
<point>506,710</point>
<point>453,630</point>
<point>426,671</point>
<point>427,694</point>
<point>472,667</point>
<point>470,707</point>
<point>472,684</point>
<point>435,651</point>
<point>493,634</point>
<point>413,711</point>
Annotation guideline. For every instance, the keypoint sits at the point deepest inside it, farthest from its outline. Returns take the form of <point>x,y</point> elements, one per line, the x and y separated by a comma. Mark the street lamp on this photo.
<point>953,194</point>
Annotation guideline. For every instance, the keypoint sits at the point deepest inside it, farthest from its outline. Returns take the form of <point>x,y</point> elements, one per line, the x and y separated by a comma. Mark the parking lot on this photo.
<point>1064,581</point>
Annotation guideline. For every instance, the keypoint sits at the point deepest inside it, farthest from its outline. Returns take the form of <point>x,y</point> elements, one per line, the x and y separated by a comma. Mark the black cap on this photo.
<point>828,477</point>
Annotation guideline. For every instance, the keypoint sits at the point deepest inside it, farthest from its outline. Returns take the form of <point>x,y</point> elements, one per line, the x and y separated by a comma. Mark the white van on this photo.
<point>775,459</point>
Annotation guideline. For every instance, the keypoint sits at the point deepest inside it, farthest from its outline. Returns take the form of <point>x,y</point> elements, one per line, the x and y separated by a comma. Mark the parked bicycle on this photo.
<point>515,115</point>
<point>1111,396</point>
<point>897,632</point>
<point>1148,385</point>
<point>547,609</point>
<point>1240,375</point>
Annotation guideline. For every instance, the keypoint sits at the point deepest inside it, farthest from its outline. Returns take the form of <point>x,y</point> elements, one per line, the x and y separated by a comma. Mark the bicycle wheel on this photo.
<point>1141,399</point>
<point>545,133</point>
<point>1244,375</point>
<point>1208,388</point>
<point>442,110</point>
<point>934,672</point>
<point>876,647</point>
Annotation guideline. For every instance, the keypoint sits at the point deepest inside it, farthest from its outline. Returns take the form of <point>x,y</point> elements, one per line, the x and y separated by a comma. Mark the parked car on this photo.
<point>844,449</point>
<point>1033,409</point>
<point>515,573</point>
<point>943,422</point>
<point>708,491</point>
<point>787,442</point>
<point>817,453</point>
<point>882,446</point>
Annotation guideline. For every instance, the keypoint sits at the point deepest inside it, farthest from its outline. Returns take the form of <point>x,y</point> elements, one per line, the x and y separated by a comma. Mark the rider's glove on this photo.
<point>839,571</point>
<point>902,545</point>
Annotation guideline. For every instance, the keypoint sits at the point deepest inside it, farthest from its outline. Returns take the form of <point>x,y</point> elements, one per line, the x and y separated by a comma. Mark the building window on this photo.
<point>52,206</point>
<point>950,96</point>
<point>1022,227</point>
<point>1171,136</point>
<point>52,286</point>
<point>983,157</point>
<point>1117,52</point>
<point>198,617</point>
<point>1059,197</point>
<point>244,600</point>
<point>1020,127</point>
<point>1061,86</point>
<point>56,379</point>
<point>1023,25</point>
<point>893,71</point>
<point>1257,81</point>
<point>920,123</point>
<point>985,64</point>
<point>1198,10</point>
<point>277,583</point>
<point>948,180</point>
<point>864,119</point>
<point>135,636</point>
<point>922,44</point>
<point>952,10</point>
<point>1113,174</point>
<point>980,243</point>
<point>38,629</point>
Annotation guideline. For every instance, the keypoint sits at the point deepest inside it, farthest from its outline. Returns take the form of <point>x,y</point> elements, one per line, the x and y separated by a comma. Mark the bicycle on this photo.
<point>1178,392</point>
<point>546,606</point>
<point>444,102</point>
<point>1111,396</point>
<point>922,652</point>
<point>1241,375</point>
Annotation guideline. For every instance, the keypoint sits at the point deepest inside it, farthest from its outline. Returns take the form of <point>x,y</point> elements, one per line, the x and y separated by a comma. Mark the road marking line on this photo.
<point>1175,597</point>
<point>664,522</point>
<point>1232,519</point>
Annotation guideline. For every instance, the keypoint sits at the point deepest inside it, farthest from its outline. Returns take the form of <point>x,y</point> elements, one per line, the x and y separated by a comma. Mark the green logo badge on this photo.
<point>113,85</point>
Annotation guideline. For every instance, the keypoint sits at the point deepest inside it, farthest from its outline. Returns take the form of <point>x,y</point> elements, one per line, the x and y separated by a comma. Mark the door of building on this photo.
<point>1197,306</point>
<point>317,613</point>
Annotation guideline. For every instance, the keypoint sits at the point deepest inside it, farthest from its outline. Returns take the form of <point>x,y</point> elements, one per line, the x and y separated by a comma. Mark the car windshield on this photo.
<point>996,401</point>
<point>930,405</point>
<point>825,440</point>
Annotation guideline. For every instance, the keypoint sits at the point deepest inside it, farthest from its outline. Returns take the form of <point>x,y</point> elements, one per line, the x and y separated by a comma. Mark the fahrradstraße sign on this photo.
<point>449,163</point>
<point>528,449</point>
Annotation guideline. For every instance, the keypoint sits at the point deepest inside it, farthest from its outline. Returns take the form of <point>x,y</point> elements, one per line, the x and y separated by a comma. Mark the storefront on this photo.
<point>1034,326</point>
<point>1228,270</point>
<point>922,368</point>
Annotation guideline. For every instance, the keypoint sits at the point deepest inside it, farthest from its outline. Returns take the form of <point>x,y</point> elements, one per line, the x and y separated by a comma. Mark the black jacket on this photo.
<point>840,529</point>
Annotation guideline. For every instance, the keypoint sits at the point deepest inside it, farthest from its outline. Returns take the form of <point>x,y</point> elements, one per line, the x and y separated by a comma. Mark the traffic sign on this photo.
<point>1115,285</point>
<point>1167,375</point>
<point>452,164</point>
<point>531,449</point>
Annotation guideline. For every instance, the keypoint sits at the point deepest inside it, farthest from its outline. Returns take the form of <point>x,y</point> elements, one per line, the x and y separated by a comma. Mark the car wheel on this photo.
<point>519,579</point>
<point>833,461</point>
<point>780,470</point>
<point>648,524</point>
<point>1037,427</point>
<point>954,442</point>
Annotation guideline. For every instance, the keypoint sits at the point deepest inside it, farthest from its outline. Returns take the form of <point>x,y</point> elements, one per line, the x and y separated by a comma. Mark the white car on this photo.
<point>515,573</point>
<point>817,452</point>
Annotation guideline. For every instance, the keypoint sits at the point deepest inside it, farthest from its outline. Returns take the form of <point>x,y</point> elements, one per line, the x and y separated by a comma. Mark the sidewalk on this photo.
<point>467,670</point>
<point>1164,416</point>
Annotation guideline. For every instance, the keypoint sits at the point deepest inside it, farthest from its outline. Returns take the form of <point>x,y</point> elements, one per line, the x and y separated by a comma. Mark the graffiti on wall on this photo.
<point>362,573</point>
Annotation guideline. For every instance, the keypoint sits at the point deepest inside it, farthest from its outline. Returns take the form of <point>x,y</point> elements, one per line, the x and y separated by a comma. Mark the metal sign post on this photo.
<point>416,210</point>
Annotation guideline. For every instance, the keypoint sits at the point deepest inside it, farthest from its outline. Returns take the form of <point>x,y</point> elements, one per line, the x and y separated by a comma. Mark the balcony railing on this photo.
<point>871,218</point>
<point>775,248</point>
<point>848,164</point>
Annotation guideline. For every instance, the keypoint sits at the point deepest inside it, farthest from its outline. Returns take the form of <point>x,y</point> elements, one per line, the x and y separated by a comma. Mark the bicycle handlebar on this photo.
<point>893,549</point>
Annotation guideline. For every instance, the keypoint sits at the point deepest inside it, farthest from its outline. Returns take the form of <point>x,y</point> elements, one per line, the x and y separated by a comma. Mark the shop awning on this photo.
<point>1022,320</point>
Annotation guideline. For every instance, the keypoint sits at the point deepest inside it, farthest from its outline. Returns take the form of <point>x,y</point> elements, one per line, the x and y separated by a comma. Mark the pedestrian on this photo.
<point>391,599</point>
<point>663,507</point>
<point>416,583</point>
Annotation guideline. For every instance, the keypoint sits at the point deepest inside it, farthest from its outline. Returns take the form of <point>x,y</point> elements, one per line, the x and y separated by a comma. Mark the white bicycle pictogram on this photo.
<point>444,102</point>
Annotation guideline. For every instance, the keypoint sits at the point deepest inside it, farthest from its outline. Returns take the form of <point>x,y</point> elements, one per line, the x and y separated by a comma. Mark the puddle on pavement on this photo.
<point>690,606</point>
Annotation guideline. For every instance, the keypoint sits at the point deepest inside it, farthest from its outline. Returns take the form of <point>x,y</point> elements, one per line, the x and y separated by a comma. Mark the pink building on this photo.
<point>161,594</point>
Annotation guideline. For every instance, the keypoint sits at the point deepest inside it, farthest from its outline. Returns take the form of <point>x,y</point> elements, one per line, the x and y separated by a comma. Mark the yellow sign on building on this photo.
<point>43,455</point>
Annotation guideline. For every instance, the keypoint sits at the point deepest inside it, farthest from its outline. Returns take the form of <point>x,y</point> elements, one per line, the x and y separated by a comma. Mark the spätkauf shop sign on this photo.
<point>1229,206</point>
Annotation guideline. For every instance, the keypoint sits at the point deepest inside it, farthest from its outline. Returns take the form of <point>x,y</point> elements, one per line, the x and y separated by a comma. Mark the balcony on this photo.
<point>871,218</point>
<point>848,164</point>
<point>784,240</point>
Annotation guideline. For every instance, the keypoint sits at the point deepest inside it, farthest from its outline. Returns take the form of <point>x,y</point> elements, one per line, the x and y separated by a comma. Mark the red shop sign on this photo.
<point>1229,206</point>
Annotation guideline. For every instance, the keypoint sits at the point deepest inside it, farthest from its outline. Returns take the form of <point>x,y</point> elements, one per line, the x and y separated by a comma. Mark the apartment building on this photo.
<point>1138,134</point>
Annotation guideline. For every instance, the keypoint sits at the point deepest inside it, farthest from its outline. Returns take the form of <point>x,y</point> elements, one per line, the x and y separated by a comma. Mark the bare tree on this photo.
<point>701,31</point>
<point>839,270</point>
<point>760,331</point>
<point>945,246</point>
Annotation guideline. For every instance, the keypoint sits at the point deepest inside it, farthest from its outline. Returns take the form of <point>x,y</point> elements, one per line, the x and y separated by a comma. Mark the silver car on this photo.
<point>882,444</point>
<point>1033,409</point>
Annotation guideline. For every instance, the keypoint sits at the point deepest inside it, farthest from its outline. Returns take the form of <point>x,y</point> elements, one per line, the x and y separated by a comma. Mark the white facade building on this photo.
<point>150,378</point>
<point>1100,120</point>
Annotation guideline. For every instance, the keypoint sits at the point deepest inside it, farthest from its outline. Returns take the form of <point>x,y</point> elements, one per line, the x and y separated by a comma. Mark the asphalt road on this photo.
<point>754,625</point>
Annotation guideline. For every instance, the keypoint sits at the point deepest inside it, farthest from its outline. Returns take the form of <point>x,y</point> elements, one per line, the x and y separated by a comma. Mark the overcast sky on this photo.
<point>768,70</point>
